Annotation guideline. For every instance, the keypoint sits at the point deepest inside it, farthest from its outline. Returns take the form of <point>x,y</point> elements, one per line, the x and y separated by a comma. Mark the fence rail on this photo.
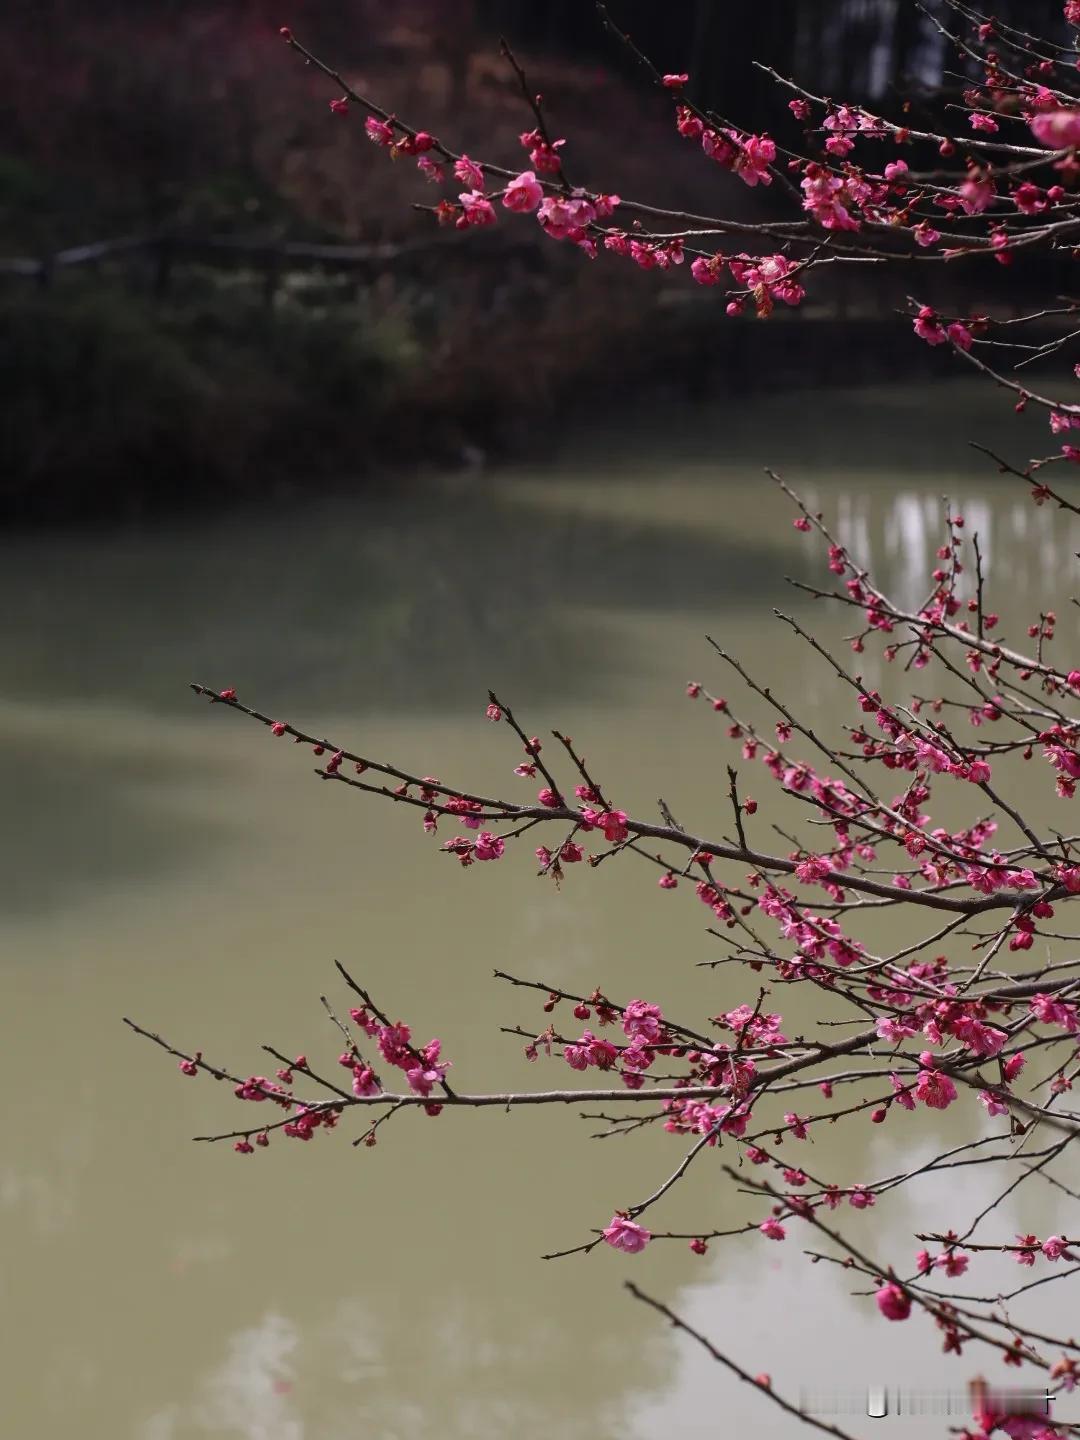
<point>273,259</point>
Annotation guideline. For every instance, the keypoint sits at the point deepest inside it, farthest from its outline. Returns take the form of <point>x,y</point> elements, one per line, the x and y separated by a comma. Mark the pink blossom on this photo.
<point>1015,1063</point>
<point>756,154</point>
<point>469,173</point>
<point>987,123</point>
<point>623,1234</point>
<point>1054,1012</point>
<point>431,170</point>
<point>994,1104</point>
<point>364,1081</point>
<point>1026,1255</point>
<point>523,194</point>
<point>936,1091</point>
<point>975,193</point>
<point>825,197</point>
<point>564,219</point>
<point>643,1020</point>
<point>771,273</point>
<point>394,1044</point>
<point>613,824</point>
<point>926,235</point>
<point>961,337</point>
<point>489,846</point>
<point>427,1071</point>
<point>979,1038</point>
<point>689,126</point>
<point>590,1050</point>
<point>893,1030</point>
<point>477,207</point>
<point>1057,128</point>
<point>928,327</point>
<point>1028,198</point>
<point>674,82</point>
<point>772,1229</point>
<point>379,132</point>
<point>708,272</point>
<point>953,1262</point>
<point>1054,1246</point>
<point>894,1303</point>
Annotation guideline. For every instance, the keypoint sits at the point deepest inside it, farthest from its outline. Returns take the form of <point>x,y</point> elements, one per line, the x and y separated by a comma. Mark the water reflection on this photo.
<point>163,861</point>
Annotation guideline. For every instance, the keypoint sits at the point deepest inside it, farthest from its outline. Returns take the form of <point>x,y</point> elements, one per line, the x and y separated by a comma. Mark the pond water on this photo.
<point>172,862</point>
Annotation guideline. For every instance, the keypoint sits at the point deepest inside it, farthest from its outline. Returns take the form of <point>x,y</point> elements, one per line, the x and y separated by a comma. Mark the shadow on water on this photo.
<point>372,604</point>
<point>97,820</point>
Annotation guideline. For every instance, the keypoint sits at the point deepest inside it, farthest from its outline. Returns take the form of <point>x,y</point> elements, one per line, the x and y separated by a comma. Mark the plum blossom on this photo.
<point>975,193</point>
<point>379,132</point>
<point>364,1081</point>
<point>489,846</point>
<point>643,1020</point>
<point>1054,1012</point>
<point>707,271</point>
<point>929,328</point>
<point>623,1234</point>
<point>394,1044</point>
<point>428,1071</point>
<point>477,208</point>
<point>771,274</point>
<point>894,1303</point>
<point>613,824</point>
<point>590,1050</point>
<point>1057,128</point>
<point>936,1091</point>
<point>469,173</point>
<point>523,194</point>
<point>826,198</point>
<point>994,1104</point>
<point>756,154</point>
<point>772,1229</point>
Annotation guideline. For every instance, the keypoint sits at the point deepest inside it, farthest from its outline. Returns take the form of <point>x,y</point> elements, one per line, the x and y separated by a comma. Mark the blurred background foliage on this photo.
<point>158,117</point>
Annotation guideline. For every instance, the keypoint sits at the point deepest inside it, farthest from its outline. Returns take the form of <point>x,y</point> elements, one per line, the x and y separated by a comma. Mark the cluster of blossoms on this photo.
<point>766,278</point>
<point>643,1026</point>
<point>748,156</point>
<point>421,1066</point>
